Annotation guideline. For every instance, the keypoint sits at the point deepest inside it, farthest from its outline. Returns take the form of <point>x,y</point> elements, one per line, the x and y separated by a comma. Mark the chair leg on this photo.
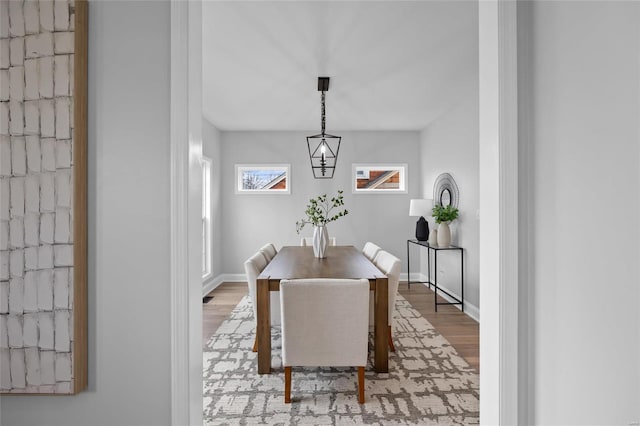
<point>393,348</point>
<point>361,385</point>
<point>255,344</point>
<point>287,385</point>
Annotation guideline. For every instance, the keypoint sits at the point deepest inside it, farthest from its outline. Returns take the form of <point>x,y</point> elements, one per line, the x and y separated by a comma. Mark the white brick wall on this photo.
<point>46,15</point>
<point>63,341</point>
<point>18,156</point>
<point>46,77</point>
<point>5,365</point>
<point>16,51</point>
<point>30,301</point>
<point>62,226</point>
<point>36,193</point>
<point>33,154</point>
<point>16,85</point>
<point>31,88</point>
<point>16,233</point>
<point>14,330</point>
<point>16,19</point>
<point>4,297</point>
<point>32,194</point>
<point>4,199</point>
<point>16,189</point>
<point>61,288</point>
<point>46,228</point>
<point>16,118</point>
<point>5,156</point>
<point>45,257</point>
<point>31,228</point>
<point>31,118</point>
<point>63,255</point>
<point>45,290</point>
<point>47,368</point>
<point>48,149</point>
<point>32,358</point>
<point>31,258</point>
<point>31,17</point>
<point>45,322</point>
<point>18,371</point>
<point>47,118</point>
<point>61,74</point>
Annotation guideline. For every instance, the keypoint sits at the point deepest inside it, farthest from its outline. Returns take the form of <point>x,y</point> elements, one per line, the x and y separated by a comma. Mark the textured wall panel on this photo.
<point>37,178</point>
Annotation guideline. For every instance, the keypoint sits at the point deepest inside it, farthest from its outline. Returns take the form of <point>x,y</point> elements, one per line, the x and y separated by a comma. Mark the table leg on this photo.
<point>263,327</point>
<point>462,280</point>
<point>408,268</point>
<point>435,279</point>
<point>381,325</point>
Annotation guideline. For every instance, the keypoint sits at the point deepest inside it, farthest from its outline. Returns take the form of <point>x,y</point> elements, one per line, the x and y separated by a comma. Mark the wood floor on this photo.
<point>460,330</point>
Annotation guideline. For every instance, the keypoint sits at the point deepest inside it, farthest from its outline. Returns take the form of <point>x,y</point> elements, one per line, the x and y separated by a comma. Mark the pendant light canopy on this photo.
<point>323,148</point>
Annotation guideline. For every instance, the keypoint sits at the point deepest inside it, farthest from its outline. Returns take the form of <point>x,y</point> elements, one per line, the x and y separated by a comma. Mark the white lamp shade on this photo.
<point>420,207</point>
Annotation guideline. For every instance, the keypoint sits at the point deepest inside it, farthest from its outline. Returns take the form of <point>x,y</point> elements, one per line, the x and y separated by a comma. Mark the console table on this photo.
<point>434,283</point>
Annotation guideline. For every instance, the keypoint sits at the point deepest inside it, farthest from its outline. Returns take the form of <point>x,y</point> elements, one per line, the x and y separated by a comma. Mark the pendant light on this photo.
<point>323,148</point>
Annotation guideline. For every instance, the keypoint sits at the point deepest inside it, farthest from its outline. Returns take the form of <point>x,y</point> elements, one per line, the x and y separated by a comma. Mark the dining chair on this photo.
<point>269,251</point>
<point>324,323</point>
<point>253,267</point>
<point>390,266</point>
<point>308,241</point>
<point>370,250</point>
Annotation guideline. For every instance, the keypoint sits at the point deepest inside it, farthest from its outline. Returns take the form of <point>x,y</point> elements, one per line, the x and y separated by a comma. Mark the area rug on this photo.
<point>428,382</point>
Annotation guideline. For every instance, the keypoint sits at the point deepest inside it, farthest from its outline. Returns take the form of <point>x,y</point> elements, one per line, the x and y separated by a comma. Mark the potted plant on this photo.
<point>319,214</point>
<point>443,216</point>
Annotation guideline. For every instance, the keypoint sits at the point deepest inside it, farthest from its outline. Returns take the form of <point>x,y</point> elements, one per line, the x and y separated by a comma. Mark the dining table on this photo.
<point>296,262</point>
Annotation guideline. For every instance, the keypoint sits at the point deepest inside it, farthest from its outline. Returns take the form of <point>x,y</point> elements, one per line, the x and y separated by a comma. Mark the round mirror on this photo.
<point>445,197</point>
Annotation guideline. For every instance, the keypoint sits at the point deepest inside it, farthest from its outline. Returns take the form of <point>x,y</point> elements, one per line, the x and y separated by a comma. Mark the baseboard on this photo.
<point>214,282</point>
<point>470,309</point>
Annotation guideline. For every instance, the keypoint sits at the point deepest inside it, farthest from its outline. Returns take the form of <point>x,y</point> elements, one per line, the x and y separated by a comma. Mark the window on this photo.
<point>379,178</point>
<point>263,179</point>
<point>206,217</point>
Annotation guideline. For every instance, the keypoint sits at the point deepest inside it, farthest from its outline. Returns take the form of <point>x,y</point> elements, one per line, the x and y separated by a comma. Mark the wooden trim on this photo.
<point>361,385</point>
<point>80,193</point>
<point>287,385</point>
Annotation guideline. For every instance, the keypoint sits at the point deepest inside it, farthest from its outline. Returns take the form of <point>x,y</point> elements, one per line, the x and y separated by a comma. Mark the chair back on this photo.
<point>370,250</point>
<point>253,267</point>
<point>390,266</point>
<point>269,251</point>
<point>324,322</point>
<point>308,241</point>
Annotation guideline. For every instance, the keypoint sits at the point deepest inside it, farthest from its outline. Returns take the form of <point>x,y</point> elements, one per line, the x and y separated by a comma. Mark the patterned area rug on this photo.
<point>428,382</point>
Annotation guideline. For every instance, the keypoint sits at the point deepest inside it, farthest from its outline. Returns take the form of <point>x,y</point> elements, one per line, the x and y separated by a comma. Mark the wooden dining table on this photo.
<point>294,262</point>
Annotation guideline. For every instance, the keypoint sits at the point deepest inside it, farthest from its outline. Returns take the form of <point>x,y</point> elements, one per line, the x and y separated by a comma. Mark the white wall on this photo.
<point>450,145</point>
<point>582,88</point>
<point>129,339</point>
<point>212,148</point>
<point>252,220</point>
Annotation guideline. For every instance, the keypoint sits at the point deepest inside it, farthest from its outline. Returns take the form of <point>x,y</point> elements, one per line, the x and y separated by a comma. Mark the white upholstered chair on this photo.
<point>324,323</point>
<point>390,266</point>
<point>308,241</point>
<point>253,267</point>
<point>269,251</point>
<point>370,250</point>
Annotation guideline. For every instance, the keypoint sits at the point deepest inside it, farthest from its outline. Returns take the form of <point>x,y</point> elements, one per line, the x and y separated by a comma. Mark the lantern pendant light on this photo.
<point>323,148</point>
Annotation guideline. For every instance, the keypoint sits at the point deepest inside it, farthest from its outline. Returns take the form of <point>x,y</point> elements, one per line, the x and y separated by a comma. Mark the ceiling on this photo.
<point>394,65</point>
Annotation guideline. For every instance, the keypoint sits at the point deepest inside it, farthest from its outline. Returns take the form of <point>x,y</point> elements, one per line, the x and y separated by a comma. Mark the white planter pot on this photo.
<point>320,241</point>
<point>444,235</point>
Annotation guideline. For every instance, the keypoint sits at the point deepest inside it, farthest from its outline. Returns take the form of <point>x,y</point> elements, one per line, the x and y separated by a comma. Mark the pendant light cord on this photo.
<point>322,120</point>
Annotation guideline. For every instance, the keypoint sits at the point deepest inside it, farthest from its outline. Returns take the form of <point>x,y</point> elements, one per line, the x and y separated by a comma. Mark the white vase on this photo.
<point>320,241</point>
<point>433,237</point>
<point>444,235</point>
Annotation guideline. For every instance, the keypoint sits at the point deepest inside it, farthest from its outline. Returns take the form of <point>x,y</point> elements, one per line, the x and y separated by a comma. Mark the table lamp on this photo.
<point>422,208</point>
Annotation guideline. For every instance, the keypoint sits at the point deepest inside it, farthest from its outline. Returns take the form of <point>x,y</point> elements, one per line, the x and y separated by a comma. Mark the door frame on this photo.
<point>499,244</point>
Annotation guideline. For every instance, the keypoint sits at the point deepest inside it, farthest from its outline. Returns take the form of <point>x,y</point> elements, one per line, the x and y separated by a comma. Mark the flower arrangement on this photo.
<point>319,209</point>
<point>444,214</point>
